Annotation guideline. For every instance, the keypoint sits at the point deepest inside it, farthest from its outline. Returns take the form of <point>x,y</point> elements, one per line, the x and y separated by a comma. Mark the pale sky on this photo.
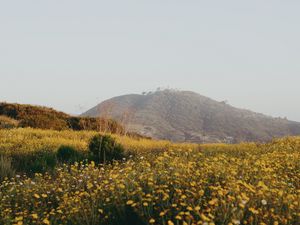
<point>71,55</point>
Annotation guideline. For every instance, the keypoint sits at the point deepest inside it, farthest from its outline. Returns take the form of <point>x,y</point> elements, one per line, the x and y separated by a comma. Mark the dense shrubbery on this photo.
<point>45,160</point>
<point>43,121</point>
<point>105,149</point>
<point>47,118</point>
<point>35,116</point>
<point>68,154</point>
<point>40,161</point>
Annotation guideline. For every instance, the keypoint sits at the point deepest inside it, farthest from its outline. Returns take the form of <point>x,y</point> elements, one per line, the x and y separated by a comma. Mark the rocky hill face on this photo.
<point>184,116</point>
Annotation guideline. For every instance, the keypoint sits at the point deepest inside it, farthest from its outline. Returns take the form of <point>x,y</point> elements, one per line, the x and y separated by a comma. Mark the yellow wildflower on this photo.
<point>36,196</point>
<point>46,221</point>
<point>151,221</point>
<point>34,216</point>
<point>129,202</point>
<point>170,222</point>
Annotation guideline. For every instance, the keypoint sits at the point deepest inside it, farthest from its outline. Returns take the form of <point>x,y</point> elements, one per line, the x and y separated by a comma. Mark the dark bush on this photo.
<point>67,154</point>
<point>74,123</point>
<point>35,162</point>
<point>44,160</point>
<point>105,149</point>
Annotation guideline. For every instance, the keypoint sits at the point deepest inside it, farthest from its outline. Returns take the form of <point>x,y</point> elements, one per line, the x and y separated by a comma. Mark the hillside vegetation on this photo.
<point>17,115</point>
<point>185,116</point>
<point>35,150</point>
<point>163,183</point>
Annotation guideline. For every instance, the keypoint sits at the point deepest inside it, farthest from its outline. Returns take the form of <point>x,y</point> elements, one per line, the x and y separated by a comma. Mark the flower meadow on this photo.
<point>161,183</point>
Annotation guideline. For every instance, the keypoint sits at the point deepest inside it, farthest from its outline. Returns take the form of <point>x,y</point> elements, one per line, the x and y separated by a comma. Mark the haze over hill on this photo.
<point>188,116</point>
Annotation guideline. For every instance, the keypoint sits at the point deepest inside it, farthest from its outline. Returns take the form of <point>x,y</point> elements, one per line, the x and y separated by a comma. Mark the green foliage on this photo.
<point>35,162</point>
<point>6,169</point>
<point>68,154</point>
<point>74,123</point>
<point>105,149</point>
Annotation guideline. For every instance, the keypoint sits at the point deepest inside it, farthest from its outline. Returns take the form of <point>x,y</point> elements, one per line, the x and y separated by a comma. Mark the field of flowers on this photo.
<point>164,183</point>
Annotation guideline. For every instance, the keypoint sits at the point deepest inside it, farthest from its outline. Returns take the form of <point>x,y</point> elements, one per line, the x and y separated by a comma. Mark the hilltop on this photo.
<point>185,116</point>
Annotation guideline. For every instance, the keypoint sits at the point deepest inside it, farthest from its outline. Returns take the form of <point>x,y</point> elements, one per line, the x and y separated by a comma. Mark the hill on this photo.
<point>187,116</point>
<point>18,115</point>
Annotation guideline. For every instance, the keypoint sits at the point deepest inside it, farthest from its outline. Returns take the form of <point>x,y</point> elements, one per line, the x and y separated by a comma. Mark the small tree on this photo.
<point>105,149</point>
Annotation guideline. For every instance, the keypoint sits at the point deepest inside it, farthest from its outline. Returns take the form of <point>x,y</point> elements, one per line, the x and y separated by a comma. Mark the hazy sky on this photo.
<point>71,54</point>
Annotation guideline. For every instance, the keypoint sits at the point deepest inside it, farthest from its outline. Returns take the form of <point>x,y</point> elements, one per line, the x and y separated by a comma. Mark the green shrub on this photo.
<point>6,169</point>
<point>105,149</point>
<point>35,162</point>
<point>45,160</point>
<point>67,154</point>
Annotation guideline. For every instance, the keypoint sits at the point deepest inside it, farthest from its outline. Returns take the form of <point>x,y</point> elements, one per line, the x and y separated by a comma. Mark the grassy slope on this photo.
<point>23,140</point>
